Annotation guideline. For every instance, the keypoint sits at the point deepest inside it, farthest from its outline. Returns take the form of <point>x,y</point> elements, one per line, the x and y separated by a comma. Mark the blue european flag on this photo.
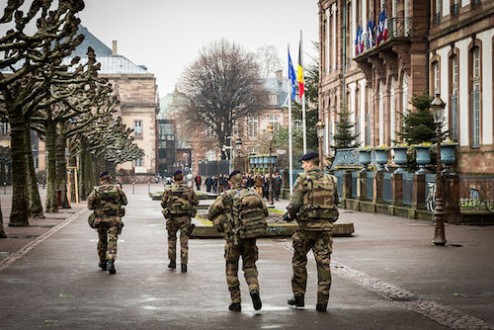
<point>292,77</point>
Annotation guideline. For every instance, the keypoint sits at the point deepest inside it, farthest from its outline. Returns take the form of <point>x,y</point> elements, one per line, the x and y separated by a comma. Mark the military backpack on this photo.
<point>110,205</point>
<point>179,202</point>
<point>319,199</point>
<point>249,218</point>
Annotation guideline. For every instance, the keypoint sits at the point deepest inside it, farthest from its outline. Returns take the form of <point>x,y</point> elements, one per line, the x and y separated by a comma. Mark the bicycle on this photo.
<point>430,200</point>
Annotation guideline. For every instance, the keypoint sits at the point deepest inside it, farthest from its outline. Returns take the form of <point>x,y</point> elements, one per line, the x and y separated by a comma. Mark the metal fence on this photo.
<point>477,193</point>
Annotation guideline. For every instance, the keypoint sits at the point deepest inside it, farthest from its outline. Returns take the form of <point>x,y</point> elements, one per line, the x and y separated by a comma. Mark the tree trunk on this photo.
<point>19,215</point>
<point>51,191</point>
<point>2,232</point>
<point>35,205</point>
<point>62,170</point>
<point>84,174</point>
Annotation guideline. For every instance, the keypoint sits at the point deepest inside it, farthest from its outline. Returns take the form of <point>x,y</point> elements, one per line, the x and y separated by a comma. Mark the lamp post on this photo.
<point>320,135</point>
<point>270,189</point>
<point>437,108</point>
<point>238,147</point>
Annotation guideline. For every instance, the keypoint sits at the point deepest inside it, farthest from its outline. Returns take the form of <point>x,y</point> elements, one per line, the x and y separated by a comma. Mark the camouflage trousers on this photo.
<point>108,237</point>
<point>321,244</point>
<point>173,225</point>
<point>247,249</point>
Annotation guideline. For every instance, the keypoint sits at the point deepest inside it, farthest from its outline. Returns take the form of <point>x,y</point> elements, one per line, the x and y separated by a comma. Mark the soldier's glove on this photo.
<point>167,214</point>
<point>286,217</point>
<point>120,227</point>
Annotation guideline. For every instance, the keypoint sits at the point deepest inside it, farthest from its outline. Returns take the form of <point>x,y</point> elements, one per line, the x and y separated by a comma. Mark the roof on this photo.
<point>110,64</point>
<point>280,87</point>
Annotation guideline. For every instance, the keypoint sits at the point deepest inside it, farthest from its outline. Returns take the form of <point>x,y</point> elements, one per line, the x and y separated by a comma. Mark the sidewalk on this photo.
<point>388,275</point>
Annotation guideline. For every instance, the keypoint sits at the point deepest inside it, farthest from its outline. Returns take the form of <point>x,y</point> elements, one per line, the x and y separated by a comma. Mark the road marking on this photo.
<point>444,315</point>
<point>31,245</point>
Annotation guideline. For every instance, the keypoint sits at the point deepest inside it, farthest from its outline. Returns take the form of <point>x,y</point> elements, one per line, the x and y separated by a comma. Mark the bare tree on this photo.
<point>25,56</point>
<point>268,60</point>
<point>220,87</point>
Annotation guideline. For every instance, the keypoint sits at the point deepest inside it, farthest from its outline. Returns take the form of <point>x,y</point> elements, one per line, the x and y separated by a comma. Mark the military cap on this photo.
<point>310,155</point>
<point>177,173</point>
<point>103,174</point>
<point>234,172</point>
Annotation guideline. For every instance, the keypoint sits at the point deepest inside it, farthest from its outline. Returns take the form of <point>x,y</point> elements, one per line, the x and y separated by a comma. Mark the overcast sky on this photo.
<point>166,35</point>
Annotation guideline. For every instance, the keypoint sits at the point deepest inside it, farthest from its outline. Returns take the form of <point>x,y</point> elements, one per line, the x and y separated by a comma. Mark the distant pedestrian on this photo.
<point>240,214</point>
<point>209,184</point>
<point>198,182</point>
<point>179,203</point>
<point>313,204</point>
<point>277,183</point>
<point>258,183</point>
<point>107,201</point>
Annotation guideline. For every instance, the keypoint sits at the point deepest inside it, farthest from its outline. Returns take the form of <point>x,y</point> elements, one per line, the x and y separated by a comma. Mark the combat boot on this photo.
<point>111,267</point>
<point>184,268</point>
<point>256,299</point>
<point>102,265</point>
<point>297,301</point>
<point>235,307</point>
<point>321,308</point>
<point>189,229</point>
<point>172,264</point>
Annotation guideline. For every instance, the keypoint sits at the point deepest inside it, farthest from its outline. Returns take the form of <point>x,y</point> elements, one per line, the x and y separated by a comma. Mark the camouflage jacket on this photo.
<point>107,201</point>
<point>298,201</point>
<point>184,203</point>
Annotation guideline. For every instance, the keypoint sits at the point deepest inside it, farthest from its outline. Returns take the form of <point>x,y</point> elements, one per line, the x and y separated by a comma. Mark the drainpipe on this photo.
<point>427,45</point>
<point>343,61</point>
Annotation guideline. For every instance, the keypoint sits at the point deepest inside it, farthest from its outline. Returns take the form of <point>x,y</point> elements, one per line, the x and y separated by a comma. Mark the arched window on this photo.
<point>475,95</point>
<point>454,79</point>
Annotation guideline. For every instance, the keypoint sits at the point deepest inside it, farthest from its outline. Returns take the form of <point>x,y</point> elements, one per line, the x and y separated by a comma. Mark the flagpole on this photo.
<point>304,128</point>
<point>290,150</point>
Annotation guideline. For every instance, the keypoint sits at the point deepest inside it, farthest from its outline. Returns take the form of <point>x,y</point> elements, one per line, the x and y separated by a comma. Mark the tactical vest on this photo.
<point>319,199</point>
<point>249,219</point>
<point>109,197</point>
<point>179,202</point>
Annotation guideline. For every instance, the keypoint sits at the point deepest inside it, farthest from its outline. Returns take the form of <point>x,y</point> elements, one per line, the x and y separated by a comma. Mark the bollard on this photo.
<point>5,188</point>
<point>133,187</point>
<point>148,188</point>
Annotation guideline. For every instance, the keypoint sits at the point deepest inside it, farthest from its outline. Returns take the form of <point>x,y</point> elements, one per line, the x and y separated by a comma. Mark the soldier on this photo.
<point>179,204</point>
<point>313,205</point>
<point>226,213</point>
<point>107,201</point>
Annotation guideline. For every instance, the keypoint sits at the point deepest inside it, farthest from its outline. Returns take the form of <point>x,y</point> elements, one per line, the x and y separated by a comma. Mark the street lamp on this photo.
<point>437,108</point>
<point>271,163</point>
<point>238,147</point>
<point>320,135</point>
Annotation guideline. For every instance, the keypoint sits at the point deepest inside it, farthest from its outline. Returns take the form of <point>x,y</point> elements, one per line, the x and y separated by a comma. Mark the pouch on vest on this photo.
<point>180,201</point>
<point>109,201</point>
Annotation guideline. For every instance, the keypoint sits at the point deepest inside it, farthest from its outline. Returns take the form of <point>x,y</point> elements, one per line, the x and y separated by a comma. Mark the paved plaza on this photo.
<point>387,275</point>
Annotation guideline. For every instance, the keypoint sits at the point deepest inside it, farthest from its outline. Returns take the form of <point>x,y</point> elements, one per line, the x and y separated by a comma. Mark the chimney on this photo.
<point>279,74</point>
<point>114,50</point>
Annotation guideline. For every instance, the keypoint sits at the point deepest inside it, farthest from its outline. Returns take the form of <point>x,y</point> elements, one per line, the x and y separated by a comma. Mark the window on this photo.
<point>138,162</point>
<point>455,7</point>
<point>453,100</point>
<point>435,77</point>
<point>475,96</point>
<point>138,128</point>
<point>210,133</point>
<point>275,121</point>
<point>437,11</point>
<point>5,127</point>
<point>252,126</point>
<point>273,99</point>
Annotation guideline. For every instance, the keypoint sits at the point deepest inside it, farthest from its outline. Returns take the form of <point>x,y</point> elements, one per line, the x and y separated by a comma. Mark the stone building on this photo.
<point>251,131</point>
<point>137,92</point>
<point>376,55</point>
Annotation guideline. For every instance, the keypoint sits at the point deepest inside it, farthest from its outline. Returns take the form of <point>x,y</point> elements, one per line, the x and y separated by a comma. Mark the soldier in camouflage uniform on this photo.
<point>107,201</point>
<point>220,213</point>
<point>179,203</point>
<point>313,205</point>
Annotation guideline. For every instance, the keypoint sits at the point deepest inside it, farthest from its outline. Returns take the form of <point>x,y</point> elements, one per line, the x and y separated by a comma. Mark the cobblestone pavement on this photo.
<point>388,275</point>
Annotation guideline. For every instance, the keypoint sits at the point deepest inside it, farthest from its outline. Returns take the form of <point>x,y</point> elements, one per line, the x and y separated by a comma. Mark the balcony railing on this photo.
<point>397,28</point>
